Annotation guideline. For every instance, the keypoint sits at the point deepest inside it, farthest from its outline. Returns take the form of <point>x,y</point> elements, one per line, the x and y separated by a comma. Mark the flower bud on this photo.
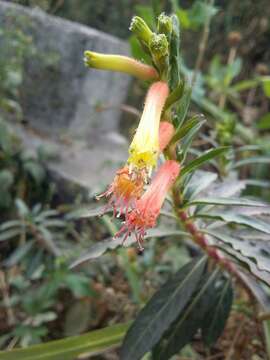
<point>159,48</point>
<point>142,31</point>
<point>165,25</point>
<point>120,63</point>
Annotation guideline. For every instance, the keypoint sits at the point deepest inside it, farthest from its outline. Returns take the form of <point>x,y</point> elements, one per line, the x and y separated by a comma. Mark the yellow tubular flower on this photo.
<point>144,148</point>
<point>120,63</point>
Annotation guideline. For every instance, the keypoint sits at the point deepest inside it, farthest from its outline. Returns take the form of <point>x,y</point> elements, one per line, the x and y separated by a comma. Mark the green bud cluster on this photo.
<point>157,45</point>
<point>165,25</point>
<point>159,48</point>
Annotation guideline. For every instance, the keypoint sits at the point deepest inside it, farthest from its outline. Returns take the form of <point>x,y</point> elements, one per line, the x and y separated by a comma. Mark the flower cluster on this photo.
<point>134,195</point>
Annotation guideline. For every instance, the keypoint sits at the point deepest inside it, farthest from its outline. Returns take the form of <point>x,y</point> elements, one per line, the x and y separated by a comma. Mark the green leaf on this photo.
<point>174,74</point>
<point>79,284</point>
<point>10,233</point>
<point>19,254</point>
<point>22,208</point>
<point>5,137</point>
<point>247,262</point>
<point>35,170</point>
<point>245,85</point>
<point>175,95</point>
<point>230,217</point>
<point>6,180</point>
<point>182,131</point>
<point>162,310</point>
<point>226,201</point>
<point>182,108</point>
<point>77,318</point>
<point>87,212</point>
<point>189,321</point>
<point>226,188</point>
<point>252,160</point>
<point>260,292</point>
<point>92,343</point>
<point>215,319</point>
<point>10,224</point>
<point>196,16</point>
<point>199,181</point>
<point>258,250</point>
<point>48,241</point>
<point>200,13</point>
<point>266,330</point>
<point>264,122</point>
<point>99,249</point>
<point>187,140</point>
<point>206,157</point>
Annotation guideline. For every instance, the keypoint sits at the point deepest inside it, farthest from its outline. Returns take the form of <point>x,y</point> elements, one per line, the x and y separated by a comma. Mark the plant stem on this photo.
<point>201,240</point>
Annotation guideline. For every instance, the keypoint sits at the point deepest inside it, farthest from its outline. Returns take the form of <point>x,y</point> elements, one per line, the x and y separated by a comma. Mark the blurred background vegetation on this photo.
<point>41,298</point>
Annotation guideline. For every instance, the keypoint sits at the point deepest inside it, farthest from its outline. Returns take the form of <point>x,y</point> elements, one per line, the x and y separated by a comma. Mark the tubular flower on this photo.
<point>144,148</point>
<point>147,208</point>
<point>120,63</point>
<point>125,189</point>
<point>166,132</point>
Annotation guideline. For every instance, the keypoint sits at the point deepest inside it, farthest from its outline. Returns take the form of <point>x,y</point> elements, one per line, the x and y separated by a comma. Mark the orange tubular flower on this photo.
<point>147,208</point>
<point>166,132</point>
<point>144,148</point>
<point>120,63</point>
<point>125,189</point>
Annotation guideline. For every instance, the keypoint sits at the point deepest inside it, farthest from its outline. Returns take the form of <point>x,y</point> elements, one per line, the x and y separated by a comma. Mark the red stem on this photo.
<point>201,240</point>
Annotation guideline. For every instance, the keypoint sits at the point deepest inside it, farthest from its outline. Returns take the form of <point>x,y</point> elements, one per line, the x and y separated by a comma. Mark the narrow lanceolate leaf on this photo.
<point>226,188</point>
<point>231,217</point>
<point>185,129</point>
<point>215,319</point>
<point>10,233</point>
<point>19,254</point>
<point>258,250</point>
<point>182,109</point>
<point>246,262</point>
<point>11,224</point>
<point>260,292</point>
<point>174,53</point>
<point>227,201</point>
<point>87,212</point>
<point>92,343</point>
<point>162,310</point>
<point>253,160</point>
<point>100,248</point>
<point>199,181</point>
<point>189,321</point>
<point>206,157</point>
<point>187,140</point>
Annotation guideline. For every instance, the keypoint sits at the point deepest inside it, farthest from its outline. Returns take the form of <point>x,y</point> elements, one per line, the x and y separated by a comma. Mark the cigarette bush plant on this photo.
<point>162,191</point>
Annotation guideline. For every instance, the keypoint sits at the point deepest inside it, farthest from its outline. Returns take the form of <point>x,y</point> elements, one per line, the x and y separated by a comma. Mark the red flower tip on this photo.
<point>147,208</point>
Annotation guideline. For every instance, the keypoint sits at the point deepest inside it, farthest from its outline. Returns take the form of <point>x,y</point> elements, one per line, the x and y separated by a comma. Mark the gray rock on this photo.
<point>60,97</point>
<point>59,94</point>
